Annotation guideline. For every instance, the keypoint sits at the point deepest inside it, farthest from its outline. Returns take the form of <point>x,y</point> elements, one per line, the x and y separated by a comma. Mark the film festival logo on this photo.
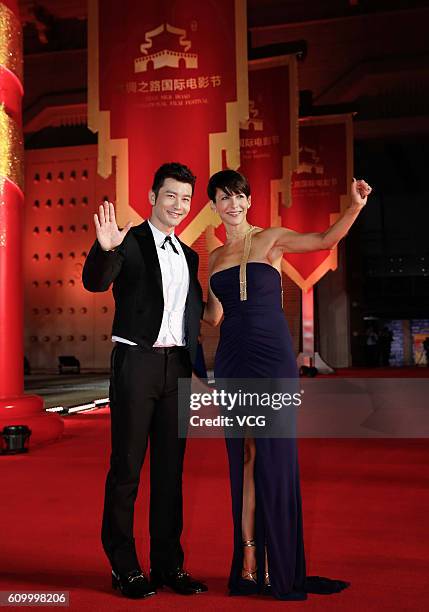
<point>169,58</point>
<point>309,162</point>
<point>168,47</point>
<point>254,121</point>
<point>253,142</point>
<point>311,172</point>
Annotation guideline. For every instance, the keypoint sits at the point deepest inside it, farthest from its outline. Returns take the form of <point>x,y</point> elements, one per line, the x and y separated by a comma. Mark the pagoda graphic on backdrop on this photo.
<point>309,162</point>
<point>175,57</point>
<point>254,121</point>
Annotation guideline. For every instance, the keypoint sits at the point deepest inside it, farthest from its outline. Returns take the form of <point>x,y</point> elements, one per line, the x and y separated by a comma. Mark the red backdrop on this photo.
<point>269,138</point>
<point>320,190</point>
<point>167,83</point>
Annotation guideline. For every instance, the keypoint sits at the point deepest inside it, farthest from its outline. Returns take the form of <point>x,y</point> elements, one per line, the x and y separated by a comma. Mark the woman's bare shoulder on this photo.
<point>272,232</point>
<point>265,232</point>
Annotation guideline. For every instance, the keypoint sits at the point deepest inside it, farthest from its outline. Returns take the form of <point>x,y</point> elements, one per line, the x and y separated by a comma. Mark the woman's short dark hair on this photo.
<point>229,181</point>
<point>173,170</point>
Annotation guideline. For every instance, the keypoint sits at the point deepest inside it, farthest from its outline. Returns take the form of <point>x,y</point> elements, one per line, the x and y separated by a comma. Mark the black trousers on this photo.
<point>143,405</point>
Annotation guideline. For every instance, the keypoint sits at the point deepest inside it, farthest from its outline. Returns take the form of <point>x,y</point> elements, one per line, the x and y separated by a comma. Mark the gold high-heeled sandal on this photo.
<point>247,574</point>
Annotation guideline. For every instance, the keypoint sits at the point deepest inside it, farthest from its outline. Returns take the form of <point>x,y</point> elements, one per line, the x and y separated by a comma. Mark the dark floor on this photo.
<point>68,389</point>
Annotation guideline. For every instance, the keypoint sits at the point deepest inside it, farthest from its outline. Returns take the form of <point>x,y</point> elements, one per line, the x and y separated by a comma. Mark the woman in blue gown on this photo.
<point>245,288</point>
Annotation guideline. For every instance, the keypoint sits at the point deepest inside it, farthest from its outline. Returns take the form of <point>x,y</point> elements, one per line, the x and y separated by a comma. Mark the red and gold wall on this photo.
<point>63,190</point>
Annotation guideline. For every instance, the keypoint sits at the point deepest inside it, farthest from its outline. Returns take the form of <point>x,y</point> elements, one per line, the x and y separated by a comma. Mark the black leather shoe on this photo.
<point>180,581</point>
<point>134,584</point>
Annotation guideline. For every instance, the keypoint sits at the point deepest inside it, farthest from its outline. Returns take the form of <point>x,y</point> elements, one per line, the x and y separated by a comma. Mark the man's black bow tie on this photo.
<point>171,243</point>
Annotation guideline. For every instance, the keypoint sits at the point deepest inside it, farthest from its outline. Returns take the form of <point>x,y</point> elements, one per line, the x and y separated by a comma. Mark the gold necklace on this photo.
<point>243,264</point>
<point>244,234</point>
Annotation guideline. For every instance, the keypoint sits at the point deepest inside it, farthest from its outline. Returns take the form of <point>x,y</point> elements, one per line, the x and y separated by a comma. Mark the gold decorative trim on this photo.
<point>11,149</point>
<point>10,41</point>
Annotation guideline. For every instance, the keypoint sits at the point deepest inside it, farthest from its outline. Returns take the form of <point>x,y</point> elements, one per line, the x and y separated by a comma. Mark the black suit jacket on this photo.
<point>137,287</point>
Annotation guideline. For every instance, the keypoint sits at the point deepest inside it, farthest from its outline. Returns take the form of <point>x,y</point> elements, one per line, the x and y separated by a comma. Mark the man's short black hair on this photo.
<point>173,170</point>
<point>229,181</point>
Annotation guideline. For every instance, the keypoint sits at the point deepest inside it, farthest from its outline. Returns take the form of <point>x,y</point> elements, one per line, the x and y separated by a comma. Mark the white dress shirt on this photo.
<point>175,285</point>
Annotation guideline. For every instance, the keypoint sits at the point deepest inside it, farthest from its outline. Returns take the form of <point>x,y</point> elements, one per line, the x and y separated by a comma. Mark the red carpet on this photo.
<point>365,510</point>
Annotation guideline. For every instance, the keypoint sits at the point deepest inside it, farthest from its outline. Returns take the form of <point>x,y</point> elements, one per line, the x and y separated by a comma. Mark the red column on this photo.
<point>15,407</point>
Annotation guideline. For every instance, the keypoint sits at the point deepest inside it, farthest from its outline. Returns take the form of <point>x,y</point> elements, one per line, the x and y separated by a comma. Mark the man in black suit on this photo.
<point>158,303</point>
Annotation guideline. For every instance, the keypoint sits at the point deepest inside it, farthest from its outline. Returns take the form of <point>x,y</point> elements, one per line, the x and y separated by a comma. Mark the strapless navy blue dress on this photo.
<point>255,342</point>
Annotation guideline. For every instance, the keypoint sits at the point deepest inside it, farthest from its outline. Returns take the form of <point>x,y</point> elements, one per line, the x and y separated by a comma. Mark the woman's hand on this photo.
<point>108,234</point>
<point>360,191</point>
